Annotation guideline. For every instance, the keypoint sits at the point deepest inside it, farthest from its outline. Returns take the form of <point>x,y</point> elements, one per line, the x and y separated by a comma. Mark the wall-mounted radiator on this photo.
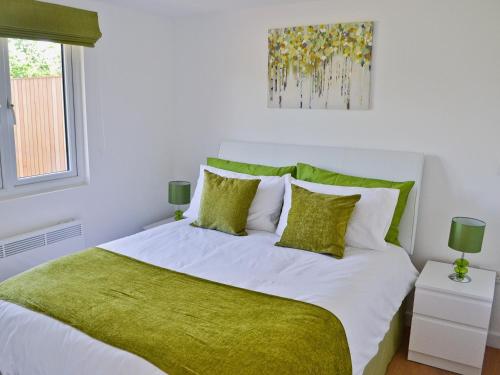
<point>22,252</point>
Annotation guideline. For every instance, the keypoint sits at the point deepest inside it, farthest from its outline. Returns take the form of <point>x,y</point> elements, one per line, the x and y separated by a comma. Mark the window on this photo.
<point>40,129</point>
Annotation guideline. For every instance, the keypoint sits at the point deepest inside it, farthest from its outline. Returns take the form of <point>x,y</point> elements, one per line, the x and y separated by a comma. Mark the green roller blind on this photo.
<point>29,19</point>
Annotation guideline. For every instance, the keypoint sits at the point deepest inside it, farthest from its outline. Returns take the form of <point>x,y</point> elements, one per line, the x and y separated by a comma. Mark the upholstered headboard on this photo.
<point>389,165</point>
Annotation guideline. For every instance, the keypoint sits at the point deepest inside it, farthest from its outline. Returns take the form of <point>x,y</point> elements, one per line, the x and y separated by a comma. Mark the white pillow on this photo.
<point>266,206</point>
<point>370,219</point>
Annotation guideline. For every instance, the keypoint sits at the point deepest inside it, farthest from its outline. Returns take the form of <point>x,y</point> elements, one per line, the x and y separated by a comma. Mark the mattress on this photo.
<point>364,290</point>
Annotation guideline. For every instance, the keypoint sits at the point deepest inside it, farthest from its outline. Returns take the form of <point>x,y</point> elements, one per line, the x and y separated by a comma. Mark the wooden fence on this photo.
<point>40,132</point>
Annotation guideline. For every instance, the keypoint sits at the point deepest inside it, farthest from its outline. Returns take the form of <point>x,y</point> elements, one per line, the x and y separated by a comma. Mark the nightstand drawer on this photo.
<point>447,340</point>
<point>453,308</point>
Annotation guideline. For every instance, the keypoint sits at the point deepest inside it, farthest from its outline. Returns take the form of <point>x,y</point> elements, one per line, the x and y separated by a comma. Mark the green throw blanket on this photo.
<point>180,323</point>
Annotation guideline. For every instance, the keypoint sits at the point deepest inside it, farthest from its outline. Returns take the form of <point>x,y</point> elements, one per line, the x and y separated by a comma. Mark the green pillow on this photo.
<point>318,222</point>
<point>253,169</point>
<point>225,203</point>
<point>322,176</point>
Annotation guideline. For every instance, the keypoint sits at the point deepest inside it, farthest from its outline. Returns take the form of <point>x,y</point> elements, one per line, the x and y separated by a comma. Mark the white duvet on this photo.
<point>364,290</point>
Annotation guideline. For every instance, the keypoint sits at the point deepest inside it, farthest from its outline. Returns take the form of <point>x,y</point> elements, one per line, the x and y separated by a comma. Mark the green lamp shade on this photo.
<point>466,234</point>
<point>179,192</point>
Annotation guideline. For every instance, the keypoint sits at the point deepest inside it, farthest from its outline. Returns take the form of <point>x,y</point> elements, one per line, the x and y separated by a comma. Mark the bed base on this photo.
<point>388,346</point>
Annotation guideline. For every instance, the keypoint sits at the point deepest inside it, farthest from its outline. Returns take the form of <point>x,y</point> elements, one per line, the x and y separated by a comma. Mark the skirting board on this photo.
<point>493,336</point>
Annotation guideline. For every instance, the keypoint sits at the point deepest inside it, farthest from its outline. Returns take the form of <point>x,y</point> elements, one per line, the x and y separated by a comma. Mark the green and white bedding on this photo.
<point>363,291</point>
<point>180,323</point>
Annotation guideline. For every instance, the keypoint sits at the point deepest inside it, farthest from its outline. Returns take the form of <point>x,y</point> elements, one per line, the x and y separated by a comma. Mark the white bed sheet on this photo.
<point>364,290</point>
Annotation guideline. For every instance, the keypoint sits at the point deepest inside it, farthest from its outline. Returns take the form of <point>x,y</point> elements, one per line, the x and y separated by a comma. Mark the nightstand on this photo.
<point>450,320</point>
<point>158,223</point>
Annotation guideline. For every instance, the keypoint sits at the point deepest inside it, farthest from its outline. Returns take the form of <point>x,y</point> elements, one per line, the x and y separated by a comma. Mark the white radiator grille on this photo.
<point>26,244</point>
<point>40,239</point>
<point>64,234</point>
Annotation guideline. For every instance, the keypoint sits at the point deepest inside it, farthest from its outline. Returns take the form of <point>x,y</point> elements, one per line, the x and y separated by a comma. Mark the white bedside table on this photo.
<point>158,223</point>
<point>450,320</point>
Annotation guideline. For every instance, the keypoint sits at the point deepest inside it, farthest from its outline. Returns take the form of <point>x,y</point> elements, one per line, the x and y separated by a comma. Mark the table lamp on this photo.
<point>466,235</point>
<point>179,194</point>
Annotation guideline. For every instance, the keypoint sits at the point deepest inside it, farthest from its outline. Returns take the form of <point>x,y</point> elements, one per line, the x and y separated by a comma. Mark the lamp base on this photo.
<point>461,269</point>
<point>178,215</point>
<point>459,278</point>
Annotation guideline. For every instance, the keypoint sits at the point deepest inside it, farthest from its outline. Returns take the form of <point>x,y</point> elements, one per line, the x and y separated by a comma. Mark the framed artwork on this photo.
<point>320,66</point>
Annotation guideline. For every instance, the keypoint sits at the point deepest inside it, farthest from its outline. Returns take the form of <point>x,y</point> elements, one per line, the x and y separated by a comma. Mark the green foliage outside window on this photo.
<point>32,59</point>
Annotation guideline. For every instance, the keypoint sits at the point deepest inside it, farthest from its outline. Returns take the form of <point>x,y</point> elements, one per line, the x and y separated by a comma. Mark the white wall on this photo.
<point>129,107</point>
<point>436,90</point>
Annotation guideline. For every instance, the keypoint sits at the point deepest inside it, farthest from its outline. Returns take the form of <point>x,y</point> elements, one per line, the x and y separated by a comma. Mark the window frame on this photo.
<point>77,173</point>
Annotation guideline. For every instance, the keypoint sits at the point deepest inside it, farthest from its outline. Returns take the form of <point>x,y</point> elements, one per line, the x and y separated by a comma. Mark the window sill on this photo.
<point>42,188</point>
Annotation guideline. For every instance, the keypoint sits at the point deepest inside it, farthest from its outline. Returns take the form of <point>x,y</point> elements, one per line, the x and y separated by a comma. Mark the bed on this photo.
<point>365,290</point>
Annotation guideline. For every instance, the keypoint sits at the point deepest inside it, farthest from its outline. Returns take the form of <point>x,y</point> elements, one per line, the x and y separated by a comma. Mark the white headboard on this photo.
<point>388,165</point>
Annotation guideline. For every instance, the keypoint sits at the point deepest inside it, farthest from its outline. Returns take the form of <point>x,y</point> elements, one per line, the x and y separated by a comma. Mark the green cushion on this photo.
<point>253,169</point>
<point>322,176</point>
<point>318,222</point>
<point>225,203</point>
